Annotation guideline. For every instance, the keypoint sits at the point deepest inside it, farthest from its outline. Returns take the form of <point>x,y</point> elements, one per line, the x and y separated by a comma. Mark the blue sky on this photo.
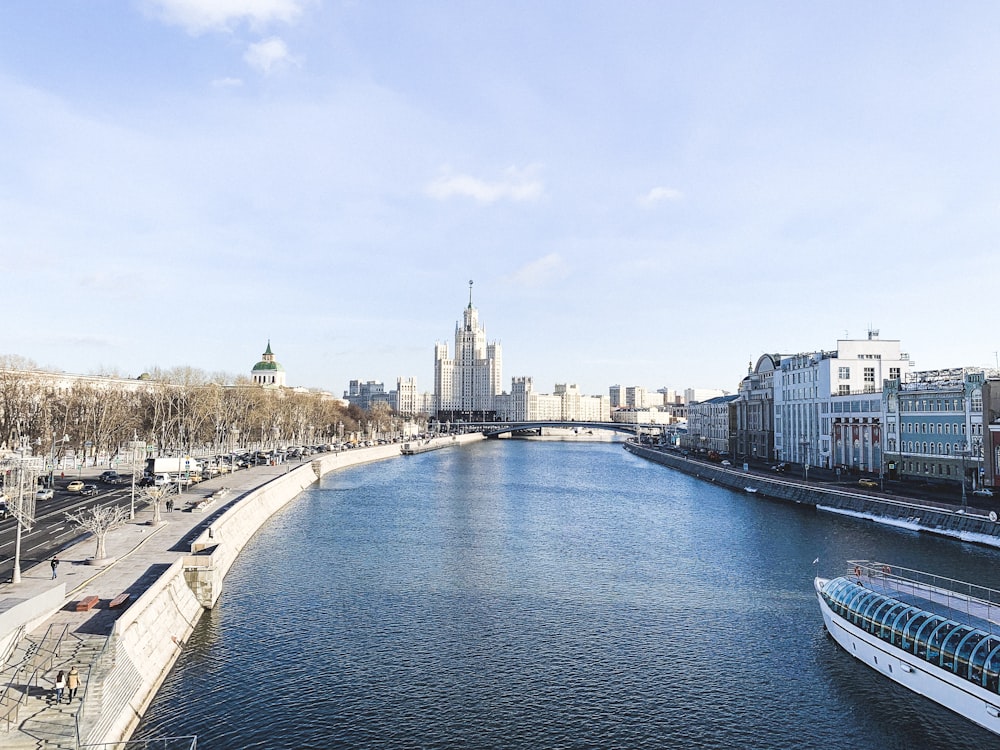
<point>648,193</point>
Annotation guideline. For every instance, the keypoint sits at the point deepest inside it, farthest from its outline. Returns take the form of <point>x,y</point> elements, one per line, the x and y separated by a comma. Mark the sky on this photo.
<point>644,193</point>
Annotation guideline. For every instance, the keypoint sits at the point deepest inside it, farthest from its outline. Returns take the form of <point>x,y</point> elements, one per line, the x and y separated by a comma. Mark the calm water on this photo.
<point>546,595</point>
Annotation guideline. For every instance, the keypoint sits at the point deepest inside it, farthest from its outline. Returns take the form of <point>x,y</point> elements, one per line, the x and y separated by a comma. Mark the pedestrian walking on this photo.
<point>72,683</point>
<point>60,685</point>
<point>170,505</point>
<point>54,564</point>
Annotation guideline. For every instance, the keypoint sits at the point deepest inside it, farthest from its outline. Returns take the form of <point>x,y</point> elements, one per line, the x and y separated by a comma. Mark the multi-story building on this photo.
<point>805,387</point>
<point>567,404</point>
<point>710,424</point>
<point>617,396</point>
<point>754,411</point>
<point>467,385</point>
<point>405,402</point>
<point>935,426</point>
<point>365,394</point>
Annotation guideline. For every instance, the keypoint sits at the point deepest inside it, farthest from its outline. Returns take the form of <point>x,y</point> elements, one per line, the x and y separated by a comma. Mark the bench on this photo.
<point>119,600</point>
<point>86,604</point>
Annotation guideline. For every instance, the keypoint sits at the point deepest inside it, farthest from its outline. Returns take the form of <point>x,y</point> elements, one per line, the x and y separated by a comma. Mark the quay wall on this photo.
<point>906,513</point>
<point>149,635</point>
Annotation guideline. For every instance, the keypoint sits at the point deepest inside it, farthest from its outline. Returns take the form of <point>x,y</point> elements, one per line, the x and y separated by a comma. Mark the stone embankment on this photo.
<point>178,579</point>
<point>910,513</point>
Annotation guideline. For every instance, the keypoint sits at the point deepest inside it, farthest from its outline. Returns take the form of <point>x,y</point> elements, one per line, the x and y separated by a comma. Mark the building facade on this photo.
<point>937,427</point>
<point>466,386</point>
<point>805,387</point>
<point>754,412</point>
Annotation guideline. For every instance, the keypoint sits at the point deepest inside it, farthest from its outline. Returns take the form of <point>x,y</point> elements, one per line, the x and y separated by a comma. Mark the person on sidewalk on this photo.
<point>72,683</point>
<point>55,564</point>
<point>60,685</point>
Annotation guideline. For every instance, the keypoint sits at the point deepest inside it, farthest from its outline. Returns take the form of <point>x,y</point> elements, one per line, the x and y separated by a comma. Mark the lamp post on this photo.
<point>52,458</point>
<point>805,447</point>
<point>963,453</point>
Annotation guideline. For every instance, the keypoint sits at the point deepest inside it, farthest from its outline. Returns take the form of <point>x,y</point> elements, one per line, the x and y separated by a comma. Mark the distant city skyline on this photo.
<point>645,194</point>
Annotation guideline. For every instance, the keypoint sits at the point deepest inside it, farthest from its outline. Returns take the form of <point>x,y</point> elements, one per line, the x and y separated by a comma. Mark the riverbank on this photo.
<point>172,573</point>
<point>966,524</point>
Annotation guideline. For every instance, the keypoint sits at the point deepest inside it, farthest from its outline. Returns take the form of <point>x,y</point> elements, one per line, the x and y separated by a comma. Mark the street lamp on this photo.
<point>805,448</point>
<point>136,445</point>
<point>52,457</point>
<point>963,453</point>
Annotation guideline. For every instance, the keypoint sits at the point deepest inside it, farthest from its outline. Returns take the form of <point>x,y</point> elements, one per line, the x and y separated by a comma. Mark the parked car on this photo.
<point>75,486</point>
<point>45,493</point>
<point>869,483</point>
<point>727,463</point>
<point>780,468</point>
<point>4,510</point>
<point>983,492</point>
<point>89,489</point>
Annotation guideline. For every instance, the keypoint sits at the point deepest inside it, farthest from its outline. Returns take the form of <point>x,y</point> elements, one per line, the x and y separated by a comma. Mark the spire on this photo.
<point>268,350</point>
<point>470,294</point>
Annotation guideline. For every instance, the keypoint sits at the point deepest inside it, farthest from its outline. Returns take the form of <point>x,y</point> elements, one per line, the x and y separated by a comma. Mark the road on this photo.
<point>52,531</point>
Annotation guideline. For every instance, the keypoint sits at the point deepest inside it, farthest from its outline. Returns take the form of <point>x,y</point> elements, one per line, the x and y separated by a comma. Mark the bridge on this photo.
<point>494,429</point>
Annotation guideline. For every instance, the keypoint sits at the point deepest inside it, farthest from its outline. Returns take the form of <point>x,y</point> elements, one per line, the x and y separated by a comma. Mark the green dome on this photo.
<point>265,365</point>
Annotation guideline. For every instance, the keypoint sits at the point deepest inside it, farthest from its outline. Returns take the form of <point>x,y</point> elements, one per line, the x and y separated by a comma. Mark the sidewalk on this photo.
<point>141,553</point>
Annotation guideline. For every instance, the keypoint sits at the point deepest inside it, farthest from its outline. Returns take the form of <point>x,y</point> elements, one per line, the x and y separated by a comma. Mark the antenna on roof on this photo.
<point>470,292</point>
<point>872,333</point>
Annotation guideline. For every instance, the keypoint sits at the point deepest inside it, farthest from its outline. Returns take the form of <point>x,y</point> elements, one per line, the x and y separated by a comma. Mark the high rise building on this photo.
<point>466,385</point>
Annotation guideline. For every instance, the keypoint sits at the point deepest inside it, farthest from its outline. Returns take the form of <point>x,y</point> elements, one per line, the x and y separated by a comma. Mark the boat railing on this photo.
<point>974,600</point>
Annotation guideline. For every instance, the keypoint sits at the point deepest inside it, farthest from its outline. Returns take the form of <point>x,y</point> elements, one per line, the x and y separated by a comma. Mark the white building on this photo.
<point>268,372</point>
<point>406,397</point>
<point>567,404</point>
<point>467,385</point>
<point>807,387</point>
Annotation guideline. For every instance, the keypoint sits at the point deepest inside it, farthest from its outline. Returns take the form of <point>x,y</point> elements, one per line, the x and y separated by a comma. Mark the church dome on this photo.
<point>268,372</point>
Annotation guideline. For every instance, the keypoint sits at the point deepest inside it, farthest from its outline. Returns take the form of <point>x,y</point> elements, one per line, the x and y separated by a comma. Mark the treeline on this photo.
<point>173,410</point>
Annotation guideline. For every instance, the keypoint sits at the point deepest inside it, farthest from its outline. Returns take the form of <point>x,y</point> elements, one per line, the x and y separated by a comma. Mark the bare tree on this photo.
<point>99,520</point>
<point>156,495</point>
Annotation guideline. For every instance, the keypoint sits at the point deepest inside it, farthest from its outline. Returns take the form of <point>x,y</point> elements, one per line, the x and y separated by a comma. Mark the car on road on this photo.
<point>89,489</point>
<point>4,510</point>
<point>727,463</point>
<point>45,493</point>
<point>75,486</point>
<point>983,492</point>
<point>111,477</point>
<point>869,483</point>
<point>780,468</point>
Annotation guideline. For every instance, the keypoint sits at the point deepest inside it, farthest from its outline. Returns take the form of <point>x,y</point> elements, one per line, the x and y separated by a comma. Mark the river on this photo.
<point>517,594</point>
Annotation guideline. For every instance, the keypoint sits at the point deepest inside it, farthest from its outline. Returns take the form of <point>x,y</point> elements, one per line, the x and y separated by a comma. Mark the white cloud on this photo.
<point>516,185</point>
<point>658,195</point>
<point>199,16</point>
<point>540,271</point>
<point>267,55</point>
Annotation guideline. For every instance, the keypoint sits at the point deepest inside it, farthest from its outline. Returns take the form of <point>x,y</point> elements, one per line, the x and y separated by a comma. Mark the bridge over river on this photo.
<point>495,429</point>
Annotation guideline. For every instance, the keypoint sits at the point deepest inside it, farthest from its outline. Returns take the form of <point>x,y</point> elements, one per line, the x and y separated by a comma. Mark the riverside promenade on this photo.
<point>55,636</point>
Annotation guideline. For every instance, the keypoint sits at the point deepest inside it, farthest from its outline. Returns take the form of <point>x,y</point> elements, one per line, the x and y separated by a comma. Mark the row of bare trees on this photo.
<point>178,410</point>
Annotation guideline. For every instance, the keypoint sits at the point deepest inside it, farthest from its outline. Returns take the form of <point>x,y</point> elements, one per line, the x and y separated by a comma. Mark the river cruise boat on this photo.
<point>937,636</point>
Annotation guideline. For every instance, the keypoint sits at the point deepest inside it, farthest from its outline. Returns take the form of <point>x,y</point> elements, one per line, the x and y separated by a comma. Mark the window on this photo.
<point>869,374</point>
<point>894,373</point>
<point>844,373</point>
<point>844,390</point>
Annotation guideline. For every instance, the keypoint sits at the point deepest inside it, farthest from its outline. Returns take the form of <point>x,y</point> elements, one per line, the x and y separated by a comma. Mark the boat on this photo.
<point>936,636</point>
<point>423,446</point>
<point>751,490</point>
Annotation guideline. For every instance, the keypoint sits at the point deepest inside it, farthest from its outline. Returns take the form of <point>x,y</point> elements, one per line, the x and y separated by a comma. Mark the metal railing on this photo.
<point>189,742</point>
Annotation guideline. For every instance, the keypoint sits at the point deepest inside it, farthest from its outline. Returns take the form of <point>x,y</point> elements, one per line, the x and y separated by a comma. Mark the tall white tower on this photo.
<point>465,387</point>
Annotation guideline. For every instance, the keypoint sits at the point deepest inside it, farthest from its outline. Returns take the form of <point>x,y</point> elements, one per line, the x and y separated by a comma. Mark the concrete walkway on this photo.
<point>141,553</point>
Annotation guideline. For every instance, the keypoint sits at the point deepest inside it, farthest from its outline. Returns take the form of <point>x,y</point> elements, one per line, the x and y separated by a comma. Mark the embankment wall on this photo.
<point>901,512</point>
<point>150,634</point>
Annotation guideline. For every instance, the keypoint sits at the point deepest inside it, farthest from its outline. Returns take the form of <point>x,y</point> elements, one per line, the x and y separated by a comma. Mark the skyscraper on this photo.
<point>466,386</point>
